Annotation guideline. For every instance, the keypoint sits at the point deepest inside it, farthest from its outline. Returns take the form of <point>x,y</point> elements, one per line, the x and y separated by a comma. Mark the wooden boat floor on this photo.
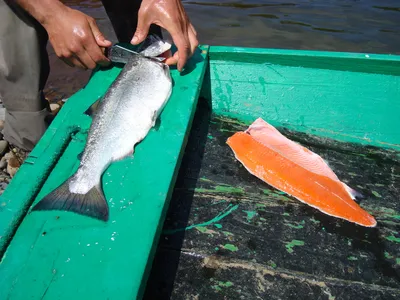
<point>228,235</point>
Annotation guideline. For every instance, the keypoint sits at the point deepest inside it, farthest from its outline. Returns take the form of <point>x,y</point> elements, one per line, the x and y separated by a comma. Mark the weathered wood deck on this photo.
<point>228,235</point>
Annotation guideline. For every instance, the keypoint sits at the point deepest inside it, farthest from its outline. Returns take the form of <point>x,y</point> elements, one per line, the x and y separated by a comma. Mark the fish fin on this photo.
<point>121,155</point>
<point>153,46</point>
<point>79,156</point>
<point>92,204</point>
<point>353,193</point>
<point>154,118</point>
<point>93,108</point>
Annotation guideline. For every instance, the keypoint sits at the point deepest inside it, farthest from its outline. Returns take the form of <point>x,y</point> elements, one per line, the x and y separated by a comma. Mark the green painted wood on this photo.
<point>229,235</point>
<point>346,96</point>
<point>61,255</point>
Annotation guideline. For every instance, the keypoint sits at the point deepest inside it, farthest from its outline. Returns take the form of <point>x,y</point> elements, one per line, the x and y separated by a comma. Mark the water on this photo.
<point>333,25</point>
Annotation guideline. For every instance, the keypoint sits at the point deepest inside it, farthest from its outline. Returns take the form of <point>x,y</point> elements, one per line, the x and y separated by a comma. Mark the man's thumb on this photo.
<point>100,39</point>
<point>142,30</point>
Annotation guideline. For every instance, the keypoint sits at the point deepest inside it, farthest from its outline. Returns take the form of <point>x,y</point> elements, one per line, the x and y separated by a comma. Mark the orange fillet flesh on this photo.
<point>315,185</point>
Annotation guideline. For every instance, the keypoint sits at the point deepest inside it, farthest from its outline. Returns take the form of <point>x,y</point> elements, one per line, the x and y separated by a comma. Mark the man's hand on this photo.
<point>75,37</point>
<point>170,15</point>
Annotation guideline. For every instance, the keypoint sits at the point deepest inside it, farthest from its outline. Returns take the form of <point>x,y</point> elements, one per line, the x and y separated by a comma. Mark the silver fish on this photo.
<point>123,118</point>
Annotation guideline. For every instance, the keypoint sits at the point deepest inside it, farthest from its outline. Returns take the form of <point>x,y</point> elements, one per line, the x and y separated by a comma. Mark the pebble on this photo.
<point>13,166</point>
<point>3,146</point>
<point>54,108</point>
<point>3,163</point>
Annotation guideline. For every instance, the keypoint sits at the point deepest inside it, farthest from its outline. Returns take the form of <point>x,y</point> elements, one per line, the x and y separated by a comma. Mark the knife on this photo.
<point>120,54</point>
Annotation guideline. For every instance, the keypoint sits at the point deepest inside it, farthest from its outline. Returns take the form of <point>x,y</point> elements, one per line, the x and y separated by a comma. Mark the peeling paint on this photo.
<point>231,247</point>
<point>289,246</point>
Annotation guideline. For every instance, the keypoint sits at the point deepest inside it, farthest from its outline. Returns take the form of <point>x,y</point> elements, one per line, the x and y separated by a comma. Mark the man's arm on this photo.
<point>75,37</point>
<point>41,10</point>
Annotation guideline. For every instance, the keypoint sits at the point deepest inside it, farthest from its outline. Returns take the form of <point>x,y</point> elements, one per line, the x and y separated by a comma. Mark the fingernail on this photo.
<point>134,40</point>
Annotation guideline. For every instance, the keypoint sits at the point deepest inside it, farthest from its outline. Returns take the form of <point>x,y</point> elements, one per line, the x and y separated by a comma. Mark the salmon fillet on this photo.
<point>297,171</point>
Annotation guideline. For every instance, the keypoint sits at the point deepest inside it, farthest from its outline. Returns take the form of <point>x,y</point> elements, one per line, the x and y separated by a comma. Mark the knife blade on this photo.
<point>120,54</point>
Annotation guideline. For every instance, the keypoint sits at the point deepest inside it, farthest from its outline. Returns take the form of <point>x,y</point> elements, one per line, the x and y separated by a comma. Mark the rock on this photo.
<point>3,146</point>
<point>55,108</point>
<point>3,163</point>
<point>13,166</point>
<point>9,155</point>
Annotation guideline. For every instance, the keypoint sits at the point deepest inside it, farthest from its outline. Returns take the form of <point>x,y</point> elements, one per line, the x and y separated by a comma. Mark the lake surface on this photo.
<point>335,25</point>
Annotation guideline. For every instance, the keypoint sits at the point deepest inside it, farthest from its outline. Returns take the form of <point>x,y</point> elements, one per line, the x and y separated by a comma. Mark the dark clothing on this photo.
<point>24,66</point>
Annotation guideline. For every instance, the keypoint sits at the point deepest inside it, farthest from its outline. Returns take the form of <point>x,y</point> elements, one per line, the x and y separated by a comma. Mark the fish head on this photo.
<point>161,66</point>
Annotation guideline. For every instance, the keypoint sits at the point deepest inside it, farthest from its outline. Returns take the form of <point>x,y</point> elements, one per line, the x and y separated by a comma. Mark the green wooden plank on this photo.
<point>346,96</point>
<point>61,255</point>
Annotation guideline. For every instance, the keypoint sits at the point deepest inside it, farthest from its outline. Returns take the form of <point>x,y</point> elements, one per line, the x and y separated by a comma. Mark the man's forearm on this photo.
<point>41,10</point>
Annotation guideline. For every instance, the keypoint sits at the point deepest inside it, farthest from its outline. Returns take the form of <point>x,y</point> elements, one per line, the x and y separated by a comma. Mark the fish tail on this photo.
<point>92,204</point>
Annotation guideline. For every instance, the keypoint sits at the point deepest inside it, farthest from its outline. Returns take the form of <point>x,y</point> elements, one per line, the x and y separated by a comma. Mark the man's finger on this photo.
<point>99,37</point>
<point>181,41</point>
<point>92,46</point>
<point>76,61</point>
<point>173,60</point>
<point>194,43</point>
<point>142,29</point>
<point>86,59</point>
<point>67,61</point>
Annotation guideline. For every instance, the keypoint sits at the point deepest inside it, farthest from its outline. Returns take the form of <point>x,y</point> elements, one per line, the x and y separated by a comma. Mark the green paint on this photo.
<point>220,189</point>
<point>78,254</point>
<point>218,202</point>
<point>286,214</point>
<point>289,246</point>
<point>266,192</point>
<point>393,239</point>
<point>228,210</point>
<point>386,212</point>
<point>263,219</point>
<point>216,248</point>
<point>201,229</point>
<point>219,226</point>
<point>276,194</point>
<point>250,214</point>
<point>272,264</point>
<point>397,261</point>
<point>205,179</point>
<point>217,288</point>
<point>388,255</point>
<point>231,247</point>
<point>333,77</point>
<point>258,205</point>
<point>205,230</point>
<point>352,258</point>
<point>227,233</point>
<point>210,137</point>
<point>228,189</point>
<point>314,221</point>
<point>225,284</point>
<point>298,225</point>
<point>376,194</point>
